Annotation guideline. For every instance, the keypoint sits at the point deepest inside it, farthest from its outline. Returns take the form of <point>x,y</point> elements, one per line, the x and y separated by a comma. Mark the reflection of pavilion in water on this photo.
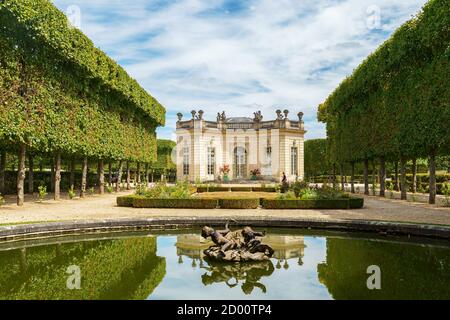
<point>248,275</point>
<point>285,247</point>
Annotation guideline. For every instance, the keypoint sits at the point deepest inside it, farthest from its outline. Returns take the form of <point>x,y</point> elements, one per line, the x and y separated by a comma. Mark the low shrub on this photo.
<point>126,201</point>
<point>353,203</point>
<point>239,203</point>
<point>241,189</point>
<point>109,188</point>
<point>356,203</point>
<point>72,193</point>
<point>42,189</point>
<point>139,202</point>
<point>181,190</point>
<point>290,195</point>
<point>264,189</point>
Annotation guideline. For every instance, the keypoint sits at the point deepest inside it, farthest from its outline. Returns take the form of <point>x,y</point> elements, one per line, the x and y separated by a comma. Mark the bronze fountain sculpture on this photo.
<point>236,246</point>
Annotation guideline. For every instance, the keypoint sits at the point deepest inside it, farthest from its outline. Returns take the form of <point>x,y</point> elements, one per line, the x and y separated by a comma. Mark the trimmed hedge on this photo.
<point>196,203</point>
<point>264,189</point>
<point>236,189</point>
<point>353,203</point>
<point>126,201</point>
<point>175,203</point>
<point>239,203</point>
<point>356,203</point>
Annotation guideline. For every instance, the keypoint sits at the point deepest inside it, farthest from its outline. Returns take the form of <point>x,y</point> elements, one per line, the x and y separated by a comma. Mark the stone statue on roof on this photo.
<point>258,116</point>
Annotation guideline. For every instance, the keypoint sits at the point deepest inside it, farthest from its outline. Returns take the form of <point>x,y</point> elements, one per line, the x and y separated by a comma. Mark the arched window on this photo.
<point>294,160</point>
<point>186,161</point>
<point>240,163</point>
<point>211,161</point>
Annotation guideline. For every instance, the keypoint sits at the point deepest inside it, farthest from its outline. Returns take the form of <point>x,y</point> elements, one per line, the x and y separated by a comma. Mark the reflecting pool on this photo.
<point>156,265</point>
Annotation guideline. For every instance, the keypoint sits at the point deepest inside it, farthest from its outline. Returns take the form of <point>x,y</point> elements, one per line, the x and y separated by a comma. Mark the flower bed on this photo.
<point>236,189</point>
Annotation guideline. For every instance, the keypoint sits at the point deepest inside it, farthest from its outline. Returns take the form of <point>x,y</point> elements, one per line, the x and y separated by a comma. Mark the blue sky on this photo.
<point>239,56</point>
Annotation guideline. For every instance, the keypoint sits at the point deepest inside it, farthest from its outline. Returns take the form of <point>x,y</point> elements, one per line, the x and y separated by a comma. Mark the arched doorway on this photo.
<point>240,163</point>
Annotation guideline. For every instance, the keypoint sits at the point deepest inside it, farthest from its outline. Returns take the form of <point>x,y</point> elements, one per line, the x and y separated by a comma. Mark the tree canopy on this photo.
<point>397,102</point>
<point>60,93</point>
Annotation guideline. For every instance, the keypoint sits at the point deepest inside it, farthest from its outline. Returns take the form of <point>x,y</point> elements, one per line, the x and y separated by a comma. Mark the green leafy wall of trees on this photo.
<point>396,104</point>
<point>164,161</point>
<point>60,93</point>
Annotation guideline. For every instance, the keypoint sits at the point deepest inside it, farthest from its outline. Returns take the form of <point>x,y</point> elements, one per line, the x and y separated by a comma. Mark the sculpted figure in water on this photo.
<point>235,246</point>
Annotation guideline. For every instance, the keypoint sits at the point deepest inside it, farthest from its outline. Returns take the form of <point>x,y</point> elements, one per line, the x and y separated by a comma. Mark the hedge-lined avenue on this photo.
<point>63,98</point>
<point>396,104</point>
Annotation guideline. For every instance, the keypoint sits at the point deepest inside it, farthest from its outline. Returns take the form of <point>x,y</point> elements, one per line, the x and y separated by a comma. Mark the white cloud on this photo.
<point>193,54</point>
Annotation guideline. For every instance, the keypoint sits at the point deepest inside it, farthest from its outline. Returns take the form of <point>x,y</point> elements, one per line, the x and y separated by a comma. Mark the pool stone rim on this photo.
<point>59,229</point>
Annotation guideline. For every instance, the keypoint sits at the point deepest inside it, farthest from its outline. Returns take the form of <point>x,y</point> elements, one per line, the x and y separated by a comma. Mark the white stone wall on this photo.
<point>198,139</point>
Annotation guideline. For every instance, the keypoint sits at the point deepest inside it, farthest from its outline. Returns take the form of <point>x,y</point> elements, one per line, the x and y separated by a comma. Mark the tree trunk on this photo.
<point>147,174</point>
<point>382,177</point>
<point>352,178</point>
<point>374,178</point>
<point>101,177</point>
<point>57,183</point>
<point>72,173</point>
<point>403,186</point>
<point>31,174</point>
<point>138,173</point>
<point>119,176</point>
<point>52,175</point>
<point>432,199</point>
<point>21,175</point>
<point>342,177</point>
<point>128,176</point>
<point>396,180</point>
<point>366,177</point>
<point>414,175</point>
<point>84,172</point>
<point>334,176</point>
<point>2,172</point>
<point>110,173</point>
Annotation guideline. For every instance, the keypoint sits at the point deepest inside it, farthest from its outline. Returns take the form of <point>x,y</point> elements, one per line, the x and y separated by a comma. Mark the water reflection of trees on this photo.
<point>288,250</point>
<point>112,269</point>
<point>408,271</point>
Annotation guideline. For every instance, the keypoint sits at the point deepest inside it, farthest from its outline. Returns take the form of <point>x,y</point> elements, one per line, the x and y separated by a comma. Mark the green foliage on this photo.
<point>175,203</point>
<point>302,190</point>
<point>2,200</point>
<point>110,270</point>
<point>352,203</point>
<point>42,191</point>
<point>60,93</point>
<point>91,191</point>
<point>71,192</point>
<point>126,201</point>
<point>316,158</point>
<point>396,103</point>
<point>182,190</point>
<point>290,195</point>
<point>446,193</point>
<point>164,160</point>
<point>239,203</point>
<point>109,188</point>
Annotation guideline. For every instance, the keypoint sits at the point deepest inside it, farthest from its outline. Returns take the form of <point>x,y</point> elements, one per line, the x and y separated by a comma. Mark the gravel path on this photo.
<point>104,207</point>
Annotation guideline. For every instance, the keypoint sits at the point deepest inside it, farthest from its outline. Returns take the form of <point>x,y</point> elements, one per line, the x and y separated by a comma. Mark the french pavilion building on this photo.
<point>242,144</point>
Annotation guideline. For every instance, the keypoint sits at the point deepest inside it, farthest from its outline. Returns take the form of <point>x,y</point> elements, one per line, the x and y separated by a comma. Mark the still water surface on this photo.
<point>306,265</point>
